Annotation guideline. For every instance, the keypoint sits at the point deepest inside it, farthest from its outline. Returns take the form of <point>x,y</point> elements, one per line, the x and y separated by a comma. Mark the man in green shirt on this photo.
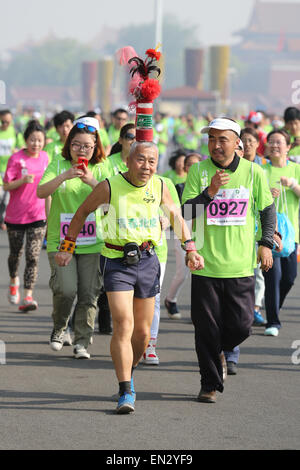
<point>222,302</point>
<point>63,123</point>
<point>119,119</point>
<point>292,126</point>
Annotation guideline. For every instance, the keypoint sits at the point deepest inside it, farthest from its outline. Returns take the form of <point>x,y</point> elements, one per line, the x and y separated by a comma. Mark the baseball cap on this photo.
<point>254,117</point>
<point>222,124</point>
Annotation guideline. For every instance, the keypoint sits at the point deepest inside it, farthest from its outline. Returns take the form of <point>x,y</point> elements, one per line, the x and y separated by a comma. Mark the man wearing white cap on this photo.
<point>222,302</point>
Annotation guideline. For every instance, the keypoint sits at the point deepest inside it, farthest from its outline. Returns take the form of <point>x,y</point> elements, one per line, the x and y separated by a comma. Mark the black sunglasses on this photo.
<point>129,136</point>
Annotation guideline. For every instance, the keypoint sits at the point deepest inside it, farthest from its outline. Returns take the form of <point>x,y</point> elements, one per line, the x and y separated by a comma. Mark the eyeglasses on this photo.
<point>85,147</point>
<point>120,118</point>
<point>278,143</point>
<point>129,136</point>
<point>80,125</point>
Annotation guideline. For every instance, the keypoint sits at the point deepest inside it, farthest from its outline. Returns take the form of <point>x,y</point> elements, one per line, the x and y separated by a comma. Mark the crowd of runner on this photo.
<point>62,180</point>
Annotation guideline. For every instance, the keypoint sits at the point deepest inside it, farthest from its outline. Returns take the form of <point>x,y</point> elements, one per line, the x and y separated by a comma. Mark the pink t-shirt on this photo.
<point>24,206</point>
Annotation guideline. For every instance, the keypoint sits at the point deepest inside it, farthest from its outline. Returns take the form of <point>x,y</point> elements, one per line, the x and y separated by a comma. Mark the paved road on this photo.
<point>52,401</point>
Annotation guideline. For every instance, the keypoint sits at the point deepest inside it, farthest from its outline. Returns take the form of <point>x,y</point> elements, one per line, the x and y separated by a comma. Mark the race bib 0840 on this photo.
<point>87,236</point>
<point>229,207</point>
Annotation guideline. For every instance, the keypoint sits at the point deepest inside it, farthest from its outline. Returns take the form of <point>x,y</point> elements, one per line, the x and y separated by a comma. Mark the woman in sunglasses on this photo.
<point>69,181</point>
<point>117,160</point>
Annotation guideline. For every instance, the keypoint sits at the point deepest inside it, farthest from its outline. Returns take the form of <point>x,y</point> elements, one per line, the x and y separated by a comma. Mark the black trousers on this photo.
<point>278,282</point>
<point>222,313</point>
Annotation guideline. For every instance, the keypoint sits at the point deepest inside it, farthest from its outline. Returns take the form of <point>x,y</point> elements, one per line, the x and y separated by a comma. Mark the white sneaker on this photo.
<point>80,352</point>
<point>150,357</point>
<point>13,294</point>
<point>56,340</point>
<point>271,331</point>
<point>67,340</point>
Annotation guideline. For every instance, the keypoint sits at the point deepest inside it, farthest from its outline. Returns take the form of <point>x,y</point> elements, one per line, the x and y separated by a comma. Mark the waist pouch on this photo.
<point>132,253</point>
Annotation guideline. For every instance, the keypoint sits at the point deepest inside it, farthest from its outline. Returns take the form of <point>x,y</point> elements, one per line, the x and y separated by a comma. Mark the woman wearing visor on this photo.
<point>69,181</point>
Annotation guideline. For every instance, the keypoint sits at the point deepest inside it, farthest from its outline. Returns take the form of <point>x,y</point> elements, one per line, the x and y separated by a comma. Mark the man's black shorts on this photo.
<point>142,278</point>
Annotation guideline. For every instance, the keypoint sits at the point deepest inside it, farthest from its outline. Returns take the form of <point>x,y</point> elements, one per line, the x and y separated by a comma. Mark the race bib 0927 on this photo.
<point>229,207</point>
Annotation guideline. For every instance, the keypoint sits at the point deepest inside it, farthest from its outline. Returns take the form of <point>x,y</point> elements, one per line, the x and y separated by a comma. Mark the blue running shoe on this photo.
<point>118,395</point>
<point>126,403</point>
<point>258,319</point>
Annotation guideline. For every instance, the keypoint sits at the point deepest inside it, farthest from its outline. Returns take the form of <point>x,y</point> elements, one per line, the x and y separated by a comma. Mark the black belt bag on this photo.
<point>132,253</point>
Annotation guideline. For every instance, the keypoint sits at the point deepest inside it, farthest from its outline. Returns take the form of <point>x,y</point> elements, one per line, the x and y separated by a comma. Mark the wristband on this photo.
<point>71,239</point>
<point>294,183</point>
<point>189,245</point>
<point>67,246</point>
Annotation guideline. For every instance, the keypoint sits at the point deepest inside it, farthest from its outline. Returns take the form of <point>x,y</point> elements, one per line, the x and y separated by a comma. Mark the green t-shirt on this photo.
<point>22,121</point>
<point>179,131</point>
<point>65,202</point>
<point>113,134</point>
<point>228,223</point>
<point>176,179</point>
<point>268,128</point>
<point>54,150</point>
<point>52,134</point>
<point>104,137</point>
<point>161,136</point>
<point>204,145</point>
<point>113,165</point>
<point>190,139</point>
<point>9,141</point>
<point>273,174</point>
<point>294,154</point>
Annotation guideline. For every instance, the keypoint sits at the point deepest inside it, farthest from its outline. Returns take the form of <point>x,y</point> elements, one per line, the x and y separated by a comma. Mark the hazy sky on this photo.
<point>23,19</point>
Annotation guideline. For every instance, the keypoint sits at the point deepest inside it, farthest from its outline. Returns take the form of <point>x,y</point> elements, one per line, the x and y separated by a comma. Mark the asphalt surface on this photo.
<point>51,401</point>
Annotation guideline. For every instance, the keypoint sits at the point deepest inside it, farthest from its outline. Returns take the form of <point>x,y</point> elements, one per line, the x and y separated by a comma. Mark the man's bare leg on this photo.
<point>143,311</point>
<point>121,308</point>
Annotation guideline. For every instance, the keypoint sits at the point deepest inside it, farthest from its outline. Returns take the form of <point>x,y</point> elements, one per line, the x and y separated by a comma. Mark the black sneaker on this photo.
<point>57,340</point>
<point>231,368</point>
<point>172,309</point>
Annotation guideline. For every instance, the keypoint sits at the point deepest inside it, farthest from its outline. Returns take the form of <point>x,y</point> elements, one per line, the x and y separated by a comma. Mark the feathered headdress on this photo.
<point>144,88</point>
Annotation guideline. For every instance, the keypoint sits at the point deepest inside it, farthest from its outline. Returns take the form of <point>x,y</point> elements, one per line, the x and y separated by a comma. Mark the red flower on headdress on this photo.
<point>153,54</point>
<point>150,89</point>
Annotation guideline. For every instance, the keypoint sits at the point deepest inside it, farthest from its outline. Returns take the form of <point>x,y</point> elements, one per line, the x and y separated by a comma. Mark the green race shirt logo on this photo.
<point>144,121</point>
